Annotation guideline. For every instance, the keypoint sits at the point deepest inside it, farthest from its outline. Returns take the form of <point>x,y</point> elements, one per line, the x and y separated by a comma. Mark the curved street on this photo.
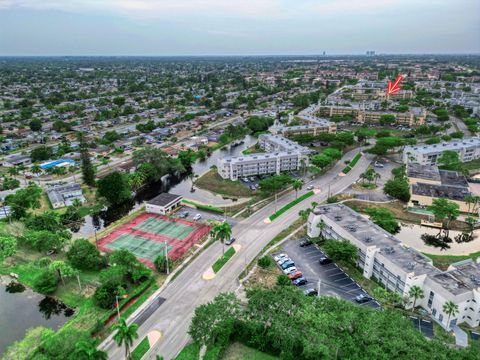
<point>188,290</point>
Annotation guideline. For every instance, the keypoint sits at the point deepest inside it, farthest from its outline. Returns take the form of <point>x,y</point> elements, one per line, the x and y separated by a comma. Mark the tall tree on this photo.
<point>297,185</point>
<point>451,309</point>
<point>87,350</point>
<point>415,293</point>
<point>114,188</point>
<point>125,335</point>
<point>222,232</point>
<point>88,170</point>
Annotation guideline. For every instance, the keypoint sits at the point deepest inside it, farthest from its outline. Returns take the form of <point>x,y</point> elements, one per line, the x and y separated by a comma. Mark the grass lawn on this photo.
<point>290,205</point>
<point>189,352</point>
<point>141,349</point>
<point>223,260</point>
<point>396,207</point>
<point>213,182</point>
<point>444,261</point>
<point>364,186</point>
<point>472,165</point>
<point>352,163</point>
<point>238,351</point>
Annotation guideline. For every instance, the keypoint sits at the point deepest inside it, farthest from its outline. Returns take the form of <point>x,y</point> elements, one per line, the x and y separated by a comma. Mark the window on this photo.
<point>430,299</point>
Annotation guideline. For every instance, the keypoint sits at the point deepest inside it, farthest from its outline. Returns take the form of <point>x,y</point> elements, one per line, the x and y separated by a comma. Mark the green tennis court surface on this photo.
<point>139,246</point>
<point>165,228</point>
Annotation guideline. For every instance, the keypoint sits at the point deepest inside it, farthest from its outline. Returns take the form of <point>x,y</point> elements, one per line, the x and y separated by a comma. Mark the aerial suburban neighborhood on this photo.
<point>237,207</point>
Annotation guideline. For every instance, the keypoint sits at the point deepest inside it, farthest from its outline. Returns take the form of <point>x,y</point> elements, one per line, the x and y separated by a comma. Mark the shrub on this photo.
<point>283,280</point>
<point>332,200</point>
<point>84,255</point>
<point>105,295</point>
<point>265,262</point>
<point>46,282</point>
<point>161,263</point>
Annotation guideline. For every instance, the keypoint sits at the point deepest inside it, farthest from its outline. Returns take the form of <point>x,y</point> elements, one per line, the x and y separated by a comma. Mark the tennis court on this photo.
<point>165,228</point>
<point>139,246</point>
<point>146,236</point>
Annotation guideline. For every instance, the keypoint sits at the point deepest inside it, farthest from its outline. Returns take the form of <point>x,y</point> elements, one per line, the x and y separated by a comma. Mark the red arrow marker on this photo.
<point>394,87</point>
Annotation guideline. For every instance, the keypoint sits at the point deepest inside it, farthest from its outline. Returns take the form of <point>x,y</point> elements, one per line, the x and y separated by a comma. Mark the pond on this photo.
<point>180,186</point>
<point>21,309</point>
<point>410,235</point>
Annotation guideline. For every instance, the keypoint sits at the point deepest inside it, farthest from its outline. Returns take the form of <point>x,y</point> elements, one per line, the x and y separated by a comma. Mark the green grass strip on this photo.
<point>290,205</point>
<point>352,163</point>
<point>141,349</point>
<point>203,207</point>
<point>222,261</point>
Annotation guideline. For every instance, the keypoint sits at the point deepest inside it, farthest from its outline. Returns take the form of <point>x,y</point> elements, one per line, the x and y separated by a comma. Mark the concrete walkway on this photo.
<point>461,337</point>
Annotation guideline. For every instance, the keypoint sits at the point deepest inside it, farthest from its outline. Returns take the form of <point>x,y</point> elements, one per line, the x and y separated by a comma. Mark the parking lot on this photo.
<point>334,281</point>
<point>424,326</point>
<point>205,215</point>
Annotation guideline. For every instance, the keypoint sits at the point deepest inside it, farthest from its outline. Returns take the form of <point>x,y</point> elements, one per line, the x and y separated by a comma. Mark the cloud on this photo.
<point>157,8</point>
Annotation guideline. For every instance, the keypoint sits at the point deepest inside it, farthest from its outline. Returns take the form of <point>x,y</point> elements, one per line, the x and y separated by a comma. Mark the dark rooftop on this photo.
<point>440,191</point>
<point>453,178</point>
<point>164,199</point>
<point>423,172</point>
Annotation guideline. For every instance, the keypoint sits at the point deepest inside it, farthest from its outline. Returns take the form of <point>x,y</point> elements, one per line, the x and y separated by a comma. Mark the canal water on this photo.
<point>180,186</point>
<point>21,309</point>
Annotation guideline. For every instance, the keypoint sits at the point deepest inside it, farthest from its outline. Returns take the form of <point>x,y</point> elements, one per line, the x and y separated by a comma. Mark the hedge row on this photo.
<point>352,163</point>
<point>290,205</point>
<point>203,207</point>
<point>222,261</point>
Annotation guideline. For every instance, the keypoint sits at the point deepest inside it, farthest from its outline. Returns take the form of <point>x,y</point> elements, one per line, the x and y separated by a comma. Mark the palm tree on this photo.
<point>321,227</point>
<point>125,335</point>
<point>450,308</point>
<point>314,205</point>
<point>222,232</point>
<point>415,292</point>
<point>297,185</point>
<point>36,169</point>
<point>376,177</point>
<point>87,350</point>
<point>13,171</point>
<point>304,214</point>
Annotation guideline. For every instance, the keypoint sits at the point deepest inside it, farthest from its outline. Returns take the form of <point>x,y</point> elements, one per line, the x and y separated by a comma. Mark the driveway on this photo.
<point>334,281</point>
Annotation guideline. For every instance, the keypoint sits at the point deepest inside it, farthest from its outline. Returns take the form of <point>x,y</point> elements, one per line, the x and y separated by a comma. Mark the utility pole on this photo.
<point>118,308</point>
<point>166,256</point>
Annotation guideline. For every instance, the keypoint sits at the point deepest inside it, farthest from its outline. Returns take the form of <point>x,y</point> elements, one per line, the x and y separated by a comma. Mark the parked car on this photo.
<point>363,298</point>
<point>295,275</point>
<point>252,187</point>
<point>197,217</point>
<point>183,214</point>
<point>280,256</point>
<point>305,242</point>
<point>245,180</point>
<point>251,178</point>
<point>311,292</point>
<point>300,281</point>
<point>230,241</point>
<point>287,265</point>
<point>310,187</point>
<point>283,260</point>
<point>324,260</point>
<point>378,164</point>
<point>289,270</point>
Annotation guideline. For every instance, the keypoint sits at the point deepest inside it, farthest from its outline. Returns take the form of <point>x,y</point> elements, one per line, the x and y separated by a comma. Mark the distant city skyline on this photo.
<point>248,27</point>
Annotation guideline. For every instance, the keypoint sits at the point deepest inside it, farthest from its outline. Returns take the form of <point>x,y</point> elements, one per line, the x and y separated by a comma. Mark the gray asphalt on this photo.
<point>189,290</point>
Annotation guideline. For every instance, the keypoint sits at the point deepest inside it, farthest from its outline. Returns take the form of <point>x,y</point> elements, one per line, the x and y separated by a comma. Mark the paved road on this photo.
<point>189,290</point>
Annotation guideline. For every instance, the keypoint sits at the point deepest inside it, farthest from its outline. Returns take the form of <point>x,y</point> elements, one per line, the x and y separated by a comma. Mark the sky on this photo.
<point>237,27</point>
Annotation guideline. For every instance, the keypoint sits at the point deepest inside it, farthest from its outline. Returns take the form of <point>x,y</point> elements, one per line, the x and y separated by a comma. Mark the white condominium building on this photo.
<point>467,150</point>
<point>281,155</point>
<point>383,257</point>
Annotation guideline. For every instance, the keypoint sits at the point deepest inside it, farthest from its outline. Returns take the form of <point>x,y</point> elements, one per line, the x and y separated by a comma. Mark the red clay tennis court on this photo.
<point>150,235</point>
